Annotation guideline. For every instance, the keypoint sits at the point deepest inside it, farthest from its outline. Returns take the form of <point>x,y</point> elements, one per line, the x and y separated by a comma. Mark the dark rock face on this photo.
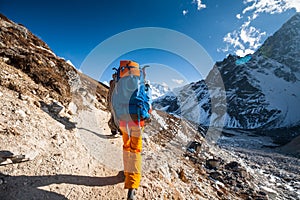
<point>23,50</point>
<point>212,163</point>
<point>284,45</point>
<point>167,103</point>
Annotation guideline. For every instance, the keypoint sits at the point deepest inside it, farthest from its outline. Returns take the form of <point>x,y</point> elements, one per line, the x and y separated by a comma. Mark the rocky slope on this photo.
<point>262,90</point>
<point>55,142</point>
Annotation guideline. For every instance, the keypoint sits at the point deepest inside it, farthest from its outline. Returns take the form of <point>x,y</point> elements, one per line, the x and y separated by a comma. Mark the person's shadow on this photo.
<point>26,187</point>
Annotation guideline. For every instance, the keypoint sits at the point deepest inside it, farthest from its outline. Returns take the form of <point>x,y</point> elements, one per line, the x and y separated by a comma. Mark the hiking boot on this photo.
<point>131,194</point>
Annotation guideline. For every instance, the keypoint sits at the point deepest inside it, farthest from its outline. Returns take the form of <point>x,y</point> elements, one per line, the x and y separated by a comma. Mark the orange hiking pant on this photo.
<point>132,148</point>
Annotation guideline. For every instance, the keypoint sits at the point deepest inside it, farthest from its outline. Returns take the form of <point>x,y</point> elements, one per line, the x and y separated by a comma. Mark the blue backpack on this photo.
<point>131,98</point>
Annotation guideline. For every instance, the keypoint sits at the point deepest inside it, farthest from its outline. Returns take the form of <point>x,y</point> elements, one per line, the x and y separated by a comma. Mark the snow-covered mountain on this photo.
<point>159,89</point>
<point>262,90</point>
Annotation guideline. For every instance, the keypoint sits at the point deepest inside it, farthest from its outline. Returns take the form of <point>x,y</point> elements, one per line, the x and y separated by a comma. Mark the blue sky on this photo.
<point>74,28</point>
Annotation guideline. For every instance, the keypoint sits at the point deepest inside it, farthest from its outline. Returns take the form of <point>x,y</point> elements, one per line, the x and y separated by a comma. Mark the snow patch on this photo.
<point>159,119</point>
<point>44,49</point>
<point>280,94</point>
<point>70,63</point>
<point>105,83</point>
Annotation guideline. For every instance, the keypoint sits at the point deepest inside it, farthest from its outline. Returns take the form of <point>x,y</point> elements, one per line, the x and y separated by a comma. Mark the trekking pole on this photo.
<point>143,69</point>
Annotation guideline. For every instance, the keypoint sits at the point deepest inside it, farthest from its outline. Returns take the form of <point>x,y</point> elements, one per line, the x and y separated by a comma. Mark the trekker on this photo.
<point>132,105</point>
<point>113,122</point>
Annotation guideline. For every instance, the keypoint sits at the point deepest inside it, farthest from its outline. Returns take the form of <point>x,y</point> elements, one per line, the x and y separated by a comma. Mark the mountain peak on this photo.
<point>284,45</point>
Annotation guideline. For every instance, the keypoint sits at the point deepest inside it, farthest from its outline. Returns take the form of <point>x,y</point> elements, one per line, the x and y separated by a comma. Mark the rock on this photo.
<point>233,166</point>
<point>220,184</point>
<point>271,193</point>
<point>182,176</point>
<point>2,159</point>
<point>1,94</point>
<point>56,108</point>
<point>212,163</point>
<point>21,113</point>
<point>52,64</point>
<point>23,97</point>
<point>37,104</point>
<point>196,191</point>
<point>146,139</point>
<point>243,173</point>
<point>4,59</point>
<point>216,175</point>
<point>72,108</point>
<point>205,155</point>
<point>33,92</point>
<point>27,112</point>
<point>194,147</point>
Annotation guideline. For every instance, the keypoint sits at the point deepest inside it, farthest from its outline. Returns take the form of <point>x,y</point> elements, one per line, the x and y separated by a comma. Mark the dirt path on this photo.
<point>95,135</point>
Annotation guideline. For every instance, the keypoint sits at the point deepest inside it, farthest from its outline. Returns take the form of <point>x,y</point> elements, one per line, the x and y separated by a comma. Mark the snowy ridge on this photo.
<point>70,63</point>
<point>159,90</point>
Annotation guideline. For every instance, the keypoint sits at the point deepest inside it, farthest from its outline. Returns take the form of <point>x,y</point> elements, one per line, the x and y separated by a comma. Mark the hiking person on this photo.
<point>113,122</point>
<point>131,102</point>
